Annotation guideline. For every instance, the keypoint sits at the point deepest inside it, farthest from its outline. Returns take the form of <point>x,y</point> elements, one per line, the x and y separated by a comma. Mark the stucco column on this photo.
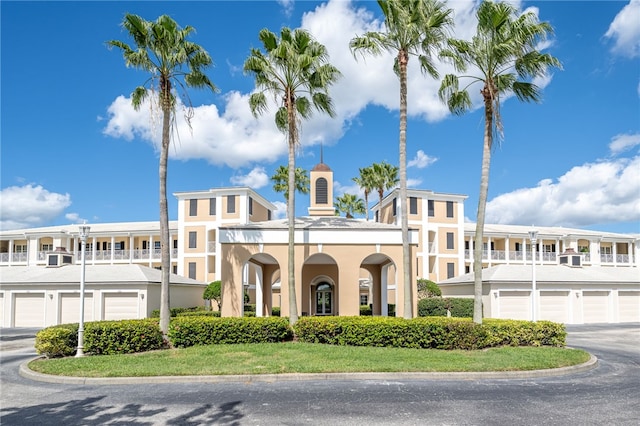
<point>384,291</point>
<point>232,291</point>
<point>348,289</point>
<point>259,293</point>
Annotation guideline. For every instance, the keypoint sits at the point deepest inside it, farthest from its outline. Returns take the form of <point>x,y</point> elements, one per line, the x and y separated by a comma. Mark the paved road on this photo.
<point>608,394</point>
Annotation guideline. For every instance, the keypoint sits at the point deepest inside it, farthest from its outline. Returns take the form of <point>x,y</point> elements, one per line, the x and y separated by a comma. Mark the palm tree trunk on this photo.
<point>404,220</point>
<point>291,212</point>
<point>482,204</point>
<point>164,222</point>
<point>366,200</point>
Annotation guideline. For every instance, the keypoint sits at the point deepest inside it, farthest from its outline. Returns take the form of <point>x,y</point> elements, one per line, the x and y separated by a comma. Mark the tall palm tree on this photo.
<point>364,181</point>
<point>413,28</point>
<point>162,49</point>
<point>349,204</point>
<point>280,181</point>
<point>295,70</point>
<point>384,176</point>
<point>503,51</point>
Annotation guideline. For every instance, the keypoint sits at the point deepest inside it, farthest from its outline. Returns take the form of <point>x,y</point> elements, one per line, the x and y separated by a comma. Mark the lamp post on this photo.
<point>84,233</point>
<point>533,235</point>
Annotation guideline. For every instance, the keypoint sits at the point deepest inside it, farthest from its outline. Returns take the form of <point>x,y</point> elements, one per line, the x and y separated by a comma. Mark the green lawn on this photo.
<point>295,357</point>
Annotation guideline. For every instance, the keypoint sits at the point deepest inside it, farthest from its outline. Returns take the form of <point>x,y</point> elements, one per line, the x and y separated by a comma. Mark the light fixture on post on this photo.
<point>533,236</point>
<point>84,233</point>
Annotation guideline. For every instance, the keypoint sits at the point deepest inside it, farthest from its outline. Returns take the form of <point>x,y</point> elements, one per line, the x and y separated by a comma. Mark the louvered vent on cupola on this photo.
<point>59,257</point>
<point>570,258</point>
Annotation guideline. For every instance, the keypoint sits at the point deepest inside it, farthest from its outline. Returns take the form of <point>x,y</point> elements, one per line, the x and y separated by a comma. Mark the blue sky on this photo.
<point>73,149</point>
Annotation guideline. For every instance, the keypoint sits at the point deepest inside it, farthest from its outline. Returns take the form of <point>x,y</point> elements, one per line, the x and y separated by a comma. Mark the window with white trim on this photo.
<point>193,207</point>
<point>231,203</point>
<point>193,239</point>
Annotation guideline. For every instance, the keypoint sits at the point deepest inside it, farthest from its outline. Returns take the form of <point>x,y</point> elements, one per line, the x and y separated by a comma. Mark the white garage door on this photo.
<point>554,306</point>
<point>1,309</point>
<point>70,308</point>
<point>629,306</point>
<point>595,306</point>
<point>28,310</point>
<point>117,306</point>
<point>515,305</point>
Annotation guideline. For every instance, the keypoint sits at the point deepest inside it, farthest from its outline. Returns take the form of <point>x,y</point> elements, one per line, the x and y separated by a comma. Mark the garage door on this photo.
<point>554,306</point>
<point>629,306</point>
<point>28,310</point>
<point>117,306</point>
<point>70,308</point>
<point>515,305</point>
<point>595,306</point>
<point>1,309</point>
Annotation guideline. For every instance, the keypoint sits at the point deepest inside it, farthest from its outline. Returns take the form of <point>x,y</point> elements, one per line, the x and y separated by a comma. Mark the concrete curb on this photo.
<point>270,378</point>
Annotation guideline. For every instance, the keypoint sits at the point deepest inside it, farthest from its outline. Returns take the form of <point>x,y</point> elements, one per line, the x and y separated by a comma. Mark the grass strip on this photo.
<point>296,357</point>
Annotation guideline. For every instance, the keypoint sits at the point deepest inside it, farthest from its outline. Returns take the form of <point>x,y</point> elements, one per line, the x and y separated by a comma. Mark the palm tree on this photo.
<point>349,204</point>
<point>504,53</point>
<point>281,181</point>
<point>162,49</point>
<point>384,176</point>
<point>295,70</point>
<point>364,181</point>
<point>413,28</point>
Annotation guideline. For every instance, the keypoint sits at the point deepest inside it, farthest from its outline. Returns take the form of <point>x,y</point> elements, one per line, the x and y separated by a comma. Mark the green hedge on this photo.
<point>174,312</point>
<point>437,307</point>
<point>101,338</point>
<point>199,314</point>
<point>190,331</point>
<point>122,337</point>
<point>57,341</point>
<point>427,333</point>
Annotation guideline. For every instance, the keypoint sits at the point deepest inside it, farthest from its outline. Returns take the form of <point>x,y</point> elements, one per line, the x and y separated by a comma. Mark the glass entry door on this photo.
<point>324,299</point>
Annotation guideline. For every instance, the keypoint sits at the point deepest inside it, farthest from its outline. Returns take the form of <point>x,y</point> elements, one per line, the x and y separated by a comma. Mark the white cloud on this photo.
<point>230,135</point>
<point>30,206</point>
<point>589,194</point>
<point>256,178</point>
<point>421,160</point>
<point>414,183</point>
<point>74,218</point>
<point>287,5</point>
<point>281,210</point>
<point>624,142</point>
<point>624,31</point>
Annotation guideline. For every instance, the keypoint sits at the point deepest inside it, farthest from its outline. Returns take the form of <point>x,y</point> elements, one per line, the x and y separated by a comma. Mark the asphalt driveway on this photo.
<point>607,394</point>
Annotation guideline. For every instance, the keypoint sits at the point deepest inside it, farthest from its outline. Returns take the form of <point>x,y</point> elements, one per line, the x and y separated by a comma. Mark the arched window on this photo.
<point>321,191</point>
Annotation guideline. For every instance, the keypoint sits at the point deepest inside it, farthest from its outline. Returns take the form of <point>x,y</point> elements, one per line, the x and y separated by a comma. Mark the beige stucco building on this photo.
<point>229,234</point>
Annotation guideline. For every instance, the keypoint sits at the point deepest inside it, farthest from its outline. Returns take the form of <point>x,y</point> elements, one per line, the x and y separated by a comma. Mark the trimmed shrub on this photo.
<point>427,288</point>
<point>201,330</point>
<point>199,313</point>
<point>275,311</point>
<point>57,341</point>
<point>175,311</point>
<point>437,307</point>
<point>365,310</point>
<point>122,337</point>
<point>427,333</point>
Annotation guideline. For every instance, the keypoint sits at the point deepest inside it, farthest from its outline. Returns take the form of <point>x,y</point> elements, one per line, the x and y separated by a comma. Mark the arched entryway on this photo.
<point>320,285</point>
<point>382,278</point>
<point>259,274</point>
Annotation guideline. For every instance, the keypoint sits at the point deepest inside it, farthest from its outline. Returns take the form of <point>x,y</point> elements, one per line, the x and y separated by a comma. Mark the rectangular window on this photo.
<point>250,206</point>
<point>175,269</point>
<point>377,216</point>
<point>467,269</point>
<point>175,244</point>
<point>603,250</point>
<point>192,270</point>
<point>364,299</point>
<point>212,206</point>
<point>193,207</point>
<point>583,249</point>
<point>268,214</point>
<point>119,245</point>
<point>451,269</point>
<point>518,247</point>
<point>20,248</point>
<point>413,205</point>
<point>156,245</point>
<point>394,207</point>
<point>47,247</point>
<point>231,203</point>
<point>431,208</point>
<point>466,245</point>
<point>193,239</point>
<point>449,208</point>
<point>449,240</point>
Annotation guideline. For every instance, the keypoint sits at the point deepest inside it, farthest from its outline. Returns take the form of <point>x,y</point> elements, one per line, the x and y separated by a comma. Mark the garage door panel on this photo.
<point>595,306</point>
<point>554,306</point>
<point>1,309</point>
<point>70,308</point>
<point>629,306</point>
<point>29,310</point>
<point>515,305</point>
<point>118,306</point>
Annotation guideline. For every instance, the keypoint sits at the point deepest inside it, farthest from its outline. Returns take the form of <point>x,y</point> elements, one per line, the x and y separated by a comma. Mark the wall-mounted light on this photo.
<point>142,296</point>
<point>51,296</point>
<point>495,294</point>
